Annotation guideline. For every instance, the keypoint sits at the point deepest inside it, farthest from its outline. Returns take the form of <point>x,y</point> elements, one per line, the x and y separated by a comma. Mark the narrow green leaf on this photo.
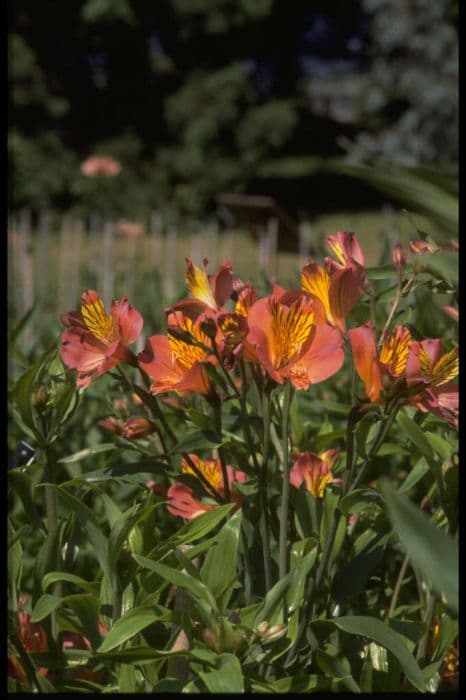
<point>200,594</point>
<point>420,469</point>
<point>195,440</point>
<point>380,632</point>
<point>55,576</point>
<point>416,435</point>
<point>88,452</point>
<point>337,668</point>
<point>219,568</point>
<point>45,606</point>
<point>357,500</point>
<point>128,625</point>
<point>431,550</point>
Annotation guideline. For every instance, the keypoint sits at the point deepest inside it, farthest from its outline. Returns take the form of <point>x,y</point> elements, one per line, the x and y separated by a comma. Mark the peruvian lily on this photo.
<point>94,341</point>
<point>314,471</point>
<point>288,344</point>
<point>183,502</point>
<point>377,368</point>
<point>175,362</point>
<point>420,370</point>
<point>209,292</point>
<point>348,253</point>
<point>435,370</point>
<point>336,290</point>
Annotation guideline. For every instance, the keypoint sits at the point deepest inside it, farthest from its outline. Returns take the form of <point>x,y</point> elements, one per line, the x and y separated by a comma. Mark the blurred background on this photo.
<point>142,132</point>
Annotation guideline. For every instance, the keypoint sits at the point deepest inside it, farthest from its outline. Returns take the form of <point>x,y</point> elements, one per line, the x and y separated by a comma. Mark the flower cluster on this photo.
<point>296,336</point>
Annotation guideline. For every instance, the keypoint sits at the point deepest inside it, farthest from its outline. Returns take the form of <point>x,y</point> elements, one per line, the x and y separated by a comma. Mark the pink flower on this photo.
<point>94,342</point>
<point>100,165</point>
<point>399,258</point>
<point>137,427</point>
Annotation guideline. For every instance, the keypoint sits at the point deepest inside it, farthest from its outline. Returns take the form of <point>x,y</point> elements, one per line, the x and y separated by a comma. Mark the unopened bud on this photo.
<point>210,639</point>
<point>137,428</point>
<point>111,425</point>
<point>41,398</point>
<point>451,312</point>
<point>275,632</point>
<point>399,258</point>
<point>422,247</point>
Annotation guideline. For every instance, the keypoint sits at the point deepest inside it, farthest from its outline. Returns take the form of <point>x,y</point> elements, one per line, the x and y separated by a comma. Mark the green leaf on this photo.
<point>219,568</point>
<point>195,440</point>
<point>357,501</point>
<point>200,594</point>
<point>380,632</point>
<point>45,606</point>
<point>202,524</point>
<point>337,668</point>
<point>15,564</point>
<point>272,605</point>
<point>300,565</point>
<point>127,678</point>
<point>441,446</point>
<point>55,576</point>
<point>227,678</point>
<point>420,469</point>
<point>88,452</point>
<point>89,521</point>
<point>22,394</point>
<point>431,550</point>
<point>351,580</point>
<point>128,625</point>
<point>415,434</point>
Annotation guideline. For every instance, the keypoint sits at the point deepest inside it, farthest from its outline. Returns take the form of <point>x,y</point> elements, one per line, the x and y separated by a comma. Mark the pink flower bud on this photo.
<point>137,427</point>
<point>422,247</point>
<point>111,425</point>
<point>399,257</point>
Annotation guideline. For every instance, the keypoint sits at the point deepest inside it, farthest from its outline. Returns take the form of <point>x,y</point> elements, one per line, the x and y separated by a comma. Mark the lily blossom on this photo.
<point>372,366</point>
<point>95,341</point>
<point>183,502</point>
<point>348,252</point>
<point>176,362</point>
<point>428,365</point>
<point>337,290</point>
<point>423,247</point>
<point>209,292</point>
<point>287,342</point>
<point>314,471</point>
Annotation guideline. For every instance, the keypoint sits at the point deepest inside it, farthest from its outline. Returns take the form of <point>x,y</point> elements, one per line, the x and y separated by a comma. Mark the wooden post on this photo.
<point>43,254</point>
<point>272,245</point>
<point>196,253</point>
<point>212,244</point>
<point>63,271</point>
<point>169,266</point>
<point>107,272</point>
<point>156,240</point>
<point>305,233</point>
<point>76,235</point>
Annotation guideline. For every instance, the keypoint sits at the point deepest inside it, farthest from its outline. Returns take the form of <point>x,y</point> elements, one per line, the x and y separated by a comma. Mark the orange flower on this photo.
<point>371,366</point>
<point>176,362</point>
<point>336,291</point>
<point>345,247</point>
<point>287,342</point>
<point>182,501</point>
<point>94,341</point>
<point>313,471</point>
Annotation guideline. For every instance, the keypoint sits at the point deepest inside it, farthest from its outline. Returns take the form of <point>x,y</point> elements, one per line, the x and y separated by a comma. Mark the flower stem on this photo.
<point>264,520</point>
<point>397,589</point>
<point>283,549</point>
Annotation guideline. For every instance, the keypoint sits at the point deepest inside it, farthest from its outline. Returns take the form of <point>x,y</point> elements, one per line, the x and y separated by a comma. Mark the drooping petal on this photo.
<point>344,292</point>
<point>365,359</point>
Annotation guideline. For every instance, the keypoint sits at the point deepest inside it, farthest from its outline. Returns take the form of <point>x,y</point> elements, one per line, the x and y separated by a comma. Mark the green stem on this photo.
<point>51,509</point>
<point>245,418</point>
<point>283,536</point>
<point>397,589</point>
<point>264,520</point>
<point>428,618</point>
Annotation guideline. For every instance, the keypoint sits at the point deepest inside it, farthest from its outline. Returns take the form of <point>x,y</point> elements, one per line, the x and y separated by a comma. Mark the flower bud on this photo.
<point>111,425</point>
<point>422,247</point>
<point>399,258</point>
<point>41,398</point>
<point>210,639</point>
<point>137,428</point>
<point>209,327</point>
